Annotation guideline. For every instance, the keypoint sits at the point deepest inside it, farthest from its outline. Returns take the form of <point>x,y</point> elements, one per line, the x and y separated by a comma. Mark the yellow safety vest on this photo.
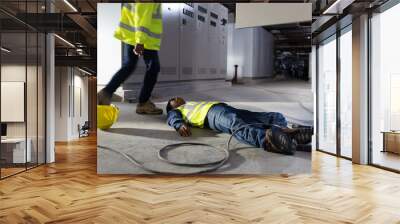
<point>195,112</point>
<point>140,23</point>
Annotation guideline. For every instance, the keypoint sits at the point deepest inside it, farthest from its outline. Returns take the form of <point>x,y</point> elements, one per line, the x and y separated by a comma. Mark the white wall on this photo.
<point>264,14</point>
<point>17,73</point>
<point>61,103</point>
<point>70,83</point>
<point>109,54</point>
<point>80,103</point>
<point>34,124</point>
<point>252,50</point>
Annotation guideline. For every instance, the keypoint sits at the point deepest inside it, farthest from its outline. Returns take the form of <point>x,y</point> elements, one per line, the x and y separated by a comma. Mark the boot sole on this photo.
<point>293,132</point>
<point>148,113</point>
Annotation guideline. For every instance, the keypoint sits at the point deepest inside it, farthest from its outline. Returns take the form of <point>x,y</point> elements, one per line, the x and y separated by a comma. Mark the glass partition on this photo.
<point>32,96</point>
<point>14,153</point>
<point>22,91</point>
<point>346,92</point>
<point>385,89</point>
<point>327,95</point>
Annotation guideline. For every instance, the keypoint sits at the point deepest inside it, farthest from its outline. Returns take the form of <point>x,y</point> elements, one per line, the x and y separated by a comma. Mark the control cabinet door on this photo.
<point>169,53</point>
<point>201,41</point>
<point>223,35</point>
<point>187,41</point>
<point>213,40</point>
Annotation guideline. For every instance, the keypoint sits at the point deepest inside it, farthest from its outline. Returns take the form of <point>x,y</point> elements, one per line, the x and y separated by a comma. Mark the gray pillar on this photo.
<point>50,99</point>
<point>360,90</point>
<point>313,80</point>
<point>50,93</point>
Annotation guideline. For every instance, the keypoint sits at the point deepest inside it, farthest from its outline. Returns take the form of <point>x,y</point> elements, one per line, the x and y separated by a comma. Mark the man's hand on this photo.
<point>139,49</point>
<point>184,130</point>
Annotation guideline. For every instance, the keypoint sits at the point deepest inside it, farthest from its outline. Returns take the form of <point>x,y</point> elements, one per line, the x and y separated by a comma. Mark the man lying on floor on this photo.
<point>266,130</point>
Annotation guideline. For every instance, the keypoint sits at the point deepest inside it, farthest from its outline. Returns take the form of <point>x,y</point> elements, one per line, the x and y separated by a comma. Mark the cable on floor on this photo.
<point>162,155</point>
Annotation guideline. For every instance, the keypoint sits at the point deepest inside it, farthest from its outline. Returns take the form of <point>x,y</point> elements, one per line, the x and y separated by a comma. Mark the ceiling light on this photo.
<point>331,7</point>
<point>64,40</point>
<point>70,5</point>
<point>337,7</point>
<point>84,71</point>
<point>5,50</point>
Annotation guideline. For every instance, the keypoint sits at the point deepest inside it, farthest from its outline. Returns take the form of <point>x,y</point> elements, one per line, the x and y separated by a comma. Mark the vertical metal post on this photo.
<point>26,88</point>
<point>37,90</point>
<point>317,97</point>
<point>338,98</point>
<point>0,96</point>
<point>369,78</point>
<point>234,80</point>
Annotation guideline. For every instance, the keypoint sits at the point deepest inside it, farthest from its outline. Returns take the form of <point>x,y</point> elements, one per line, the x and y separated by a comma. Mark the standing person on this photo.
<point>140,30</point>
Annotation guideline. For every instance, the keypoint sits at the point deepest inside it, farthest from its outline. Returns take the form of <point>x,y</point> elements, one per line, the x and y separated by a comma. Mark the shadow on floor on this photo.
<point>235,160</point>
<point>163,134</point>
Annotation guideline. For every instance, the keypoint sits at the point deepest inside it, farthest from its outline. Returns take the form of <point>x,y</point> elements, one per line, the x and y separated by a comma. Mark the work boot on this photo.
<point>148,108</point>
<point>302,135</point>
<point>276,140</point>
<point>103,97</point>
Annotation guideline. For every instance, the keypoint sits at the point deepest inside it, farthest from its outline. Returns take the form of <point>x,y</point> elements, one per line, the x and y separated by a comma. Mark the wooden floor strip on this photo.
<point>70,191</point>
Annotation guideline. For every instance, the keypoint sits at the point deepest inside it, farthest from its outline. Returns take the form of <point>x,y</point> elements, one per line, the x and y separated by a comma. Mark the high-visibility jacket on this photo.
<point>195,113</point>
<point>140,23</point>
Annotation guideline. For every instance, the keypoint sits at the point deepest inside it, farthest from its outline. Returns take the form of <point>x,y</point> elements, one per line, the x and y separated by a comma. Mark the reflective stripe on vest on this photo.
<point>195,113</point>
<point>141,29</point>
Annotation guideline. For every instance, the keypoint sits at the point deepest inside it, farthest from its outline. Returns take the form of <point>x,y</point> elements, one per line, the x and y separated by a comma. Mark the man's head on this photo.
<point>174,103</point>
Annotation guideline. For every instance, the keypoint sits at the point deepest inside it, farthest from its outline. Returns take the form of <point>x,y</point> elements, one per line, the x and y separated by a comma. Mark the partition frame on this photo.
<point>44,94</point>
<point>382,8</point>
<point>338,33</point>
<point>387,5</point>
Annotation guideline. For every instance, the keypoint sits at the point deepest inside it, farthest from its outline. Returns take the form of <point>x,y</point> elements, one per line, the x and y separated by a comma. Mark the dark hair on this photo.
<point>169,105</point>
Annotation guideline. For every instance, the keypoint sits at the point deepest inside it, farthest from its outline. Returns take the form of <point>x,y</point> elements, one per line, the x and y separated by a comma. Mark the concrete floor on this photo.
<point>141,136</point>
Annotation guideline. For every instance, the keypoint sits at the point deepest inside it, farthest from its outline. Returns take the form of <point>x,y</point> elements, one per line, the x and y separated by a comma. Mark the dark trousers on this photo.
<point>128,67</point>
<point>251,126</point>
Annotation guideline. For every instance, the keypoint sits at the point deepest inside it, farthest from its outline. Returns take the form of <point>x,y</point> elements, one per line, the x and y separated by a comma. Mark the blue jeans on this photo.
<point>227,119</point>
<point>128,67</point>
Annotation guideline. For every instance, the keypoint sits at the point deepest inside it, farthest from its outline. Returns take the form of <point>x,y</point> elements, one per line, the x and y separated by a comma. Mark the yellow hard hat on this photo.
<point>107,115</point>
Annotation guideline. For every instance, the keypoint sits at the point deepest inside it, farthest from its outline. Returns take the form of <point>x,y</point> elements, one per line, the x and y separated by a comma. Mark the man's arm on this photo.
<point>175,120</point>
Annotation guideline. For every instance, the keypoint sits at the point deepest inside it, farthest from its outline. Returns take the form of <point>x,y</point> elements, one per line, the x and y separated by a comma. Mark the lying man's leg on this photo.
<point>227,120</point>
<point>302,135</point>
<point>266,118</point>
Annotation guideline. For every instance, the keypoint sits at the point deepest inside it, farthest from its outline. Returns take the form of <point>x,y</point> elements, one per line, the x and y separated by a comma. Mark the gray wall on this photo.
<point>252,49</point>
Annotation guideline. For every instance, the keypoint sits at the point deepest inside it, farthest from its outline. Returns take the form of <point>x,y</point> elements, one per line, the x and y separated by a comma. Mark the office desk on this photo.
<point>13,150</point>
<point>391,141</point>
